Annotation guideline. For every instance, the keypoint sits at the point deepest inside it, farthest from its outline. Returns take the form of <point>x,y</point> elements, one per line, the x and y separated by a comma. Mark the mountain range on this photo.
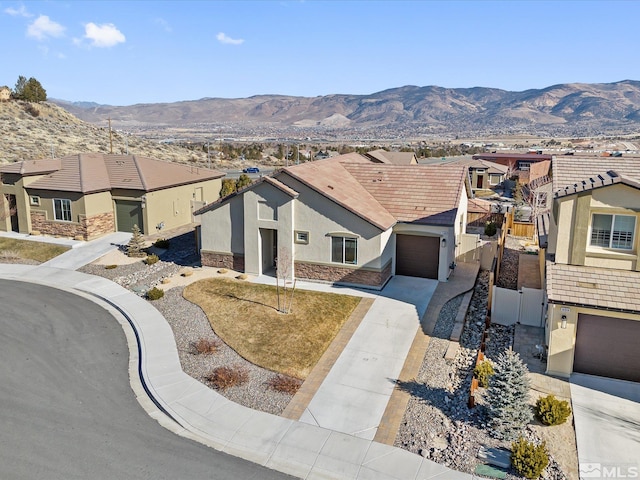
<point>572,109</point>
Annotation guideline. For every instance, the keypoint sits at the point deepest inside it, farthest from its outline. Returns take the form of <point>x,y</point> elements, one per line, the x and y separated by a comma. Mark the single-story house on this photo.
<point>91,194</point>
<point>591,243</point>
<point>341,220</point>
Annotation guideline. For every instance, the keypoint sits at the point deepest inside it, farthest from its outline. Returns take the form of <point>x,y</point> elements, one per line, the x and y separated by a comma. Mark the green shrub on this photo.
<point>110,267</point>
<point>528,459</point>
<point>490,229</point>
<point>162,243</point>
<point>483,372</point>
<point>552,411</point>
<point>155,293</point>
<point>151,259</point>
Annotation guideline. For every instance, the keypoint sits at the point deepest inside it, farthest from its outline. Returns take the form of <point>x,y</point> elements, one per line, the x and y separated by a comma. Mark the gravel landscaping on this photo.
<point>438,424</point>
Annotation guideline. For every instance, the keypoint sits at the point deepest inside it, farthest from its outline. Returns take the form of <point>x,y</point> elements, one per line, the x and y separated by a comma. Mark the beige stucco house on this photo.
<point>89,195</point>
<point>393,158</point>
<point>341,220</point>
<point>593,268</point>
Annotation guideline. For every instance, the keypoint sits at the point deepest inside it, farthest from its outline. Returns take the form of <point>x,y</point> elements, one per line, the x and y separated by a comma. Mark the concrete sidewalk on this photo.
<point>191,409</point>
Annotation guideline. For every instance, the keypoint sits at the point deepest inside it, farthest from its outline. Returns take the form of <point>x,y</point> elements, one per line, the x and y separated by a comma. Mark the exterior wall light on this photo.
<point>563,323</point>
<point>443,242</point>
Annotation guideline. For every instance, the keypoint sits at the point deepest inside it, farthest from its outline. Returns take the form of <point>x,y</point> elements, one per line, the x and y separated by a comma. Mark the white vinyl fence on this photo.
<point>512,306</point>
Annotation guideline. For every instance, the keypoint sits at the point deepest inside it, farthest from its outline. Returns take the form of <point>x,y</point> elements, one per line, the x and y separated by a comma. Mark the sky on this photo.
<point>127,52</point>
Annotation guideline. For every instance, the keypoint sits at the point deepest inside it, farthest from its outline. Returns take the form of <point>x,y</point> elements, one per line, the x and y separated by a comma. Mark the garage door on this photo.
<point>128,214</point>
<point>417,256</point>
<point>608,347</point>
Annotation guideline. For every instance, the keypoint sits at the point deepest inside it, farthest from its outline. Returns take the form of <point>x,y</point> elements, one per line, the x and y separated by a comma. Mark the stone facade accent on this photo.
<point>87,228</point>
<point>99,225</point>
<point>342,274</point>
<point>231,261</point>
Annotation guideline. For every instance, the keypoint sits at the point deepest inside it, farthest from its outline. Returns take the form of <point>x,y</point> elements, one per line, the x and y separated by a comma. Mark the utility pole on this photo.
<point>208,156</point>
<point>110,138</point>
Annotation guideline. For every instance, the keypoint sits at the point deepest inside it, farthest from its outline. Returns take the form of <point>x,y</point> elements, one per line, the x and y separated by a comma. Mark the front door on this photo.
<point>480,181</point>
<point>13,212</point>
<point>269,249</point>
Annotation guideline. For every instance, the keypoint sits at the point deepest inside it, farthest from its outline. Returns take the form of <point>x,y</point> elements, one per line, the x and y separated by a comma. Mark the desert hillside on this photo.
<point>33,131</point>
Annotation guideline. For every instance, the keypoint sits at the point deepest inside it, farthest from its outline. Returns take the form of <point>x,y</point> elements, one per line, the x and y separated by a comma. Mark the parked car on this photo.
<point>251,170</point>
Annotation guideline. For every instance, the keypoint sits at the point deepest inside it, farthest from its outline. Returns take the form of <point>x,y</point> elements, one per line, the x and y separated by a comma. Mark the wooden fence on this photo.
<point>519,229</point>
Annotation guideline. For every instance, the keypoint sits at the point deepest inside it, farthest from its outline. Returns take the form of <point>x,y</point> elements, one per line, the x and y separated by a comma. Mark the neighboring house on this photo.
<point>91,194</point>
<point>593,268</point>
<point>519,164</point>
<point>5,93</point>
<point>483,175</point>
<point>341,220</point>
<point>394,158</point>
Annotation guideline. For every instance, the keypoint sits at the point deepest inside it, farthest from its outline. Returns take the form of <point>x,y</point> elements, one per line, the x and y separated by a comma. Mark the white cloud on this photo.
<point>43,27</point>
<point>162,23</point>
<point>222,38</point>
<point>21,11</point>
<point>106,35</point>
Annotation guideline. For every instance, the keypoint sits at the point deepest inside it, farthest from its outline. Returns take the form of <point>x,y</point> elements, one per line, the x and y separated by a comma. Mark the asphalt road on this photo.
<point>67,410</point>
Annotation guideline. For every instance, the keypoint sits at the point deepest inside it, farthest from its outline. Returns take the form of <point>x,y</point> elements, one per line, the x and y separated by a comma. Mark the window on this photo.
<point>344,250</point>
<point>35,200</point>
<point>613,231</point>
<point>494,179</point>
<point>62,209</point>
<point>302,237</point>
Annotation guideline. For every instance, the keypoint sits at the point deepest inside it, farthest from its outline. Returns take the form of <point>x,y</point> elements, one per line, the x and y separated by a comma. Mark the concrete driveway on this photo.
<point>353,396</point>
<point>607,421</point>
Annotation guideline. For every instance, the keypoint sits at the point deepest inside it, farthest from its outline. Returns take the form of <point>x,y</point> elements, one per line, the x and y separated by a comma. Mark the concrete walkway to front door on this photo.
<point>353,396</point>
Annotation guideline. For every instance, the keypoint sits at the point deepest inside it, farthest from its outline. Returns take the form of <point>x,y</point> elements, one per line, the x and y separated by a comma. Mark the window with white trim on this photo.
<point>613,231</point>
<point>344,250</point>
<point>34,200</point>
<point>62,209</point>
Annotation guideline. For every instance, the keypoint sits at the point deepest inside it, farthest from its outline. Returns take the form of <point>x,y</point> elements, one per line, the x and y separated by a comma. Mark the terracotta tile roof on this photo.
<point>478,205</point>
<point>424,194</point>
<point>594,286</point>
<point>539,169</point>
<point>330,178</point>
<point>381,194</point>
<point>513,156</point>
<point>32,167</point>
<point>569,170</point>
<point>395,158</point>
<point>95,172</point>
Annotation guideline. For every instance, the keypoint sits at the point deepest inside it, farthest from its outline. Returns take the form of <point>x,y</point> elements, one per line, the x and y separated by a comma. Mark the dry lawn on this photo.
<point>38,251</point>
<point>245,316</point>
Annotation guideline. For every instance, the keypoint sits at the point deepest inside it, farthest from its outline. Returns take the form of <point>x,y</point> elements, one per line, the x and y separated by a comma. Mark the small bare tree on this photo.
<point>284,274</point>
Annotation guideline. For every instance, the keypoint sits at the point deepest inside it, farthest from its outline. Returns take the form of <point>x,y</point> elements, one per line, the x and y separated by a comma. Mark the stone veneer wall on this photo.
<point>340,274</point>
<point>88,228</point>
<point>232,261</point>
<point>99,225</point>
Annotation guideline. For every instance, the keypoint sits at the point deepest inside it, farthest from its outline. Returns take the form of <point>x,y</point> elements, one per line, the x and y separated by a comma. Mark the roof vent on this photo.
<point>330,187</point>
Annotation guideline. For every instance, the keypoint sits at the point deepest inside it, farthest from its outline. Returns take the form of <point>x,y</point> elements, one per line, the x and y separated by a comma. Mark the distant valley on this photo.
<point>410,112</point>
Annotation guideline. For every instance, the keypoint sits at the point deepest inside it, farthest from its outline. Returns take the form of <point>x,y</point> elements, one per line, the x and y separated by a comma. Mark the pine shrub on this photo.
<point>135,247</point>
<point>507,397</point>
<point>490,229</point>
<point>151,259</point>
<point>528,459</point>
<point>155,293</point>
<point>483,372</point>
<point>552,411</point>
